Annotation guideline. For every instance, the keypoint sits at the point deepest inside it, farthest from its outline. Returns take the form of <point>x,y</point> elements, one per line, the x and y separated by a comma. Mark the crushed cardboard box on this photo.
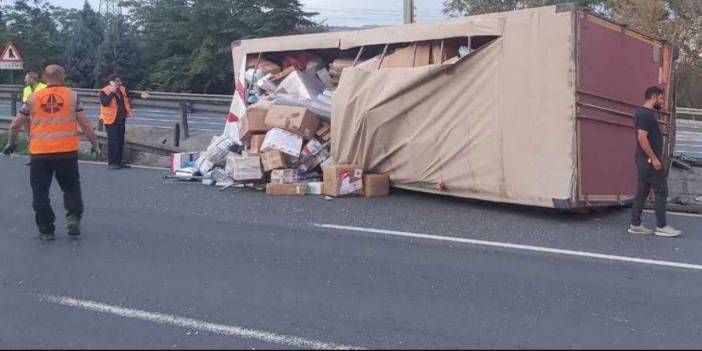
<point>296,189</point>
<point>273,160</point>
<point>284,176</point>
<point>295,119</point>
<point>283,141</point>
<point>242,168</point>
<point>253,122</point>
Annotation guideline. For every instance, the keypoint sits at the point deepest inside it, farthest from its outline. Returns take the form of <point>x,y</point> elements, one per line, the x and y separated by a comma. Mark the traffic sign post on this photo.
<point>11,59</point>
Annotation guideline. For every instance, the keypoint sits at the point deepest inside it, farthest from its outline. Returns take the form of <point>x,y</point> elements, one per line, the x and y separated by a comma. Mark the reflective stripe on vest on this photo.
<point>108,114</point>
<point>54,128</point>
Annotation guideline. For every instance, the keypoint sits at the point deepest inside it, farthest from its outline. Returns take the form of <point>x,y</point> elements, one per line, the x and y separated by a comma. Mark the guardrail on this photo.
<point>688,111</point>
<point>181,103</point>
<point>162,150</point>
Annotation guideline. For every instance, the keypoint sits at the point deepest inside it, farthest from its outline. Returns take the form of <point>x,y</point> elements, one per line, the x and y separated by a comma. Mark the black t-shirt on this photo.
<point>645,119</point>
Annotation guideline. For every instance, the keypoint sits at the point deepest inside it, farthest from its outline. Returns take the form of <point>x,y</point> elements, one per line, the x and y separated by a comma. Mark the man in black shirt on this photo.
<point>116,107</point>
<point>652,173</point>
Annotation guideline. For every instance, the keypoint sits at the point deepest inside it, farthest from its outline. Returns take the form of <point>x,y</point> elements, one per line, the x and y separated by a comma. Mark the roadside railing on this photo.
<point>181,104</point>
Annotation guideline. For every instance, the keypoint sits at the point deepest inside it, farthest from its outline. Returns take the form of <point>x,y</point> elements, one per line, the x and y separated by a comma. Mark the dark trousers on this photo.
<point>649,179</point>
<point>115,141</point>
<point>41,173</point>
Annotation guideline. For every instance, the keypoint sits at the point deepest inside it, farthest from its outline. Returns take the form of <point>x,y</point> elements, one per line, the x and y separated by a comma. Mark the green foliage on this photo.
<point>80,54</point>
<point>118,53</point>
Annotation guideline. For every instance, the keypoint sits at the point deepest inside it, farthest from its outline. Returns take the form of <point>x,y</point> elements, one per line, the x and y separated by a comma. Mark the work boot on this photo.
<point>113,167</point>
<point>47,237</point>
<point>124,165</point>
<point>73,225</point>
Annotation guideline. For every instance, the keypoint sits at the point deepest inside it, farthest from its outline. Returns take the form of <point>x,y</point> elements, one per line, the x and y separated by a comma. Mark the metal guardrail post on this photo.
<point>176,135</point>
<point>13,104</point>
<point>184,119</point>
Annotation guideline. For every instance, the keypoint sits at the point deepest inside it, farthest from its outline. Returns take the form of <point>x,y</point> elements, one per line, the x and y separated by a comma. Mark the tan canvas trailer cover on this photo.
<point>498,125</point>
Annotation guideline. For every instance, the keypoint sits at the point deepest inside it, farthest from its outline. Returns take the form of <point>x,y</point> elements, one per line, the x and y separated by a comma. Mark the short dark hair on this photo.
<point>113,76</point>
<point>33,75</point>
<point>653,91</point>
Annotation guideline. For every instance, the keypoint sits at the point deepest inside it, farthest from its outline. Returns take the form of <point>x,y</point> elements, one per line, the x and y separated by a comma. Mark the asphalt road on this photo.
<point>154,117</point>
<point>181,265</point>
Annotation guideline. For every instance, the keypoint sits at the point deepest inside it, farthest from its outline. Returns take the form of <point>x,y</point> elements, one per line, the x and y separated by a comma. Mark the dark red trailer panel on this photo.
<point>615,66</point>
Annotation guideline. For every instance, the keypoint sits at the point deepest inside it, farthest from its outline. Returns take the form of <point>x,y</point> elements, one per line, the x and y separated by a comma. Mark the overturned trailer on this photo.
<point>539,111</point>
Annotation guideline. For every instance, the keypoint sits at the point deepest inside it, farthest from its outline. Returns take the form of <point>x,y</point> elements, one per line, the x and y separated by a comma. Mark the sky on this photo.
<point>353,13</point>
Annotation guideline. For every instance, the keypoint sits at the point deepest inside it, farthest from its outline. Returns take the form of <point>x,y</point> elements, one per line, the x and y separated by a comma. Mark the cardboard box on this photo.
<point>284,176</point>
<point>243,168</point>
<point>253,122</point>
<point>295,119</point>
<point>183,160</point>
<point>324,132</point>
<point>438,56</point>
<point>297,189</point>
<point>283,141</point>
<point>343,180</point>
<point>376,185</point>
<point>408,56</point>
<point>272,160</point>
<point>301,84</point>
<point>255,143</point>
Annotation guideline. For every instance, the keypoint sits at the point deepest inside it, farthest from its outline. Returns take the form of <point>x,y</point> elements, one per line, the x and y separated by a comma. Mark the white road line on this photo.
<point>515,246</point>
<point>222,329</point>
<point>681,214</point>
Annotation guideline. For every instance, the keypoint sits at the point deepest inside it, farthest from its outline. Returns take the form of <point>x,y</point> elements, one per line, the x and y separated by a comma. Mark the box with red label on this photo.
<point>183,160</point>
<point>343,180</point>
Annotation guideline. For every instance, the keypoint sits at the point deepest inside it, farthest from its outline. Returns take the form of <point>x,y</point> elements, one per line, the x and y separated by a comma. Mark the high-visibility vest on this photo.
<point>53,123</point>
<point>108,114</point>
<point>28,90</point>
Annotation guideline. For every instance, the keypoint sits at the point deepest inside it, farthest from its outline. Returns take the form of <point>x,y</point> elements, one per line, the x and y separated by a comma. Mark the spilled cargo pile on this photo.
<point>284,137</point>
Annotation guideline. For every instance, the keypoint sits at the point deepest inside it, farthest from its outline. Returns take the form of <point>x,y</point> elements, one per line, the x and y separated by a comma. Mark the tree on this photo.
<point>80,55</point>
<point>118,53</point>
<point>193,38</point>
<point>31,27</point>
<point>477,7</point>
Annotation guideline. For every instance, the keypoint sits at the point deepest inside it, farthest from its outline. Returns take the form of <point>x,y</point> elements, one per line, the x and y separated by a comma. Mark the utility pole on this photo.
<point>409,11</point>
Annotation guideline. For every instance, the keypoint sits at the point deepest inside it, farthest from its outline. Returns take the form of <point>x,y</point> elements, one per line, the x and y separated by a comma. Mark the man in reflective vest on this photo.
<point>54,114</point>
<point>33,85</point>
<point>115,108</point>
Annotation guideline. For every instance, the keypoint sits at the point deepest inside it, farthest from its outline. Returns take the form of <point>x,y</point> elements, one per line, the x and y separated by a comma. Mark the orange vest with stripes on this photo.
<point>53,124</point>
<point>108,114</point>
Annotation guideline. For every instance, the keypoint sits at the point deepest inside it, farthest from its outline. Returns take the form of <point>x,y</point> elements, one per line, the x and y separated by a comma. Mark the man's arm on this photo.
<point>16,127</point>
<point>143,95</point>
<point>646,146</point>
<point>86,127</point>
<point>105,99</point>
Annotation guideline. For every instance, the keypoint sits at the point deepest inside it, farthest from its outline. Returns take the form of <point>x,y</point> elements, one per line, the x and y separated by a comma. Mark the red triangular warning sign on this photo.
<point>10,53</point>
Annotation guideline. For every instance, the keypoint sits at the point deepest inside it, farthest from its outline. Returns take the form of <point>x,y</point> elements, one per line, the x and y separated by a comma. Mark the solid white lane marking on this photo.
<point>514,246</point>
<point>194,324</point>
<point>681,214</point>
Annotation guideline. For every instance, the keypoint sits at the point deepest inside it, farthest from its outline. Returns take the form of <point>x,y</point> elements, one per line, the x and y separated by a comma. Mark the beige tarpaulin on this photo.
<point>498,125</point>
